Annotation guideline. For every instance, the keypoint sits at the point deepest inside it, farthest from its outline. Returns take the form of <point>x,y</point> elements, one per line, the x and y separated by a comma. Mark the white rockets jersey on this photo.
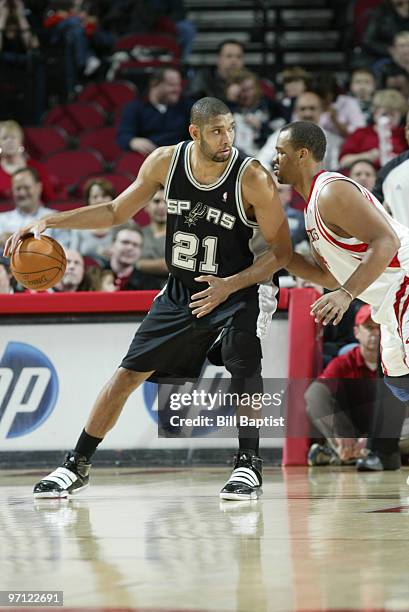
<point>343,255</point>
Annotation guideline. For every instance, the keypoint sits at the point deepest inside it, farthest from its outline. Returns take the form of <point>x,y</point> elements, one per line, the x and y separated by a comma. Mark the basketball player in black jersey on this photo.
<point>216,200</point>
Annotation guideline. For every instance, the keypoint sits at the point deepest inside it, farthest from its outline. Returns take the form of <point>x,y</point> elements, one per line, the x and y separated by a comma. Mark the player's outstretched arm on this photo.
<point>314,271</point>
<point>151,177</point>
<point>346,211</point>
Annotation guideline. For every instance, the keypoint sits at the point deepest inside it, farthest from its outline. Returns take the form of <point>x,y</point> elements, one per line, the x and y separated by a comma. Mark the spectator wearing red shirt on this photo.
<point>329,398</point>
<point>364,143</point>
<point>13,157</point>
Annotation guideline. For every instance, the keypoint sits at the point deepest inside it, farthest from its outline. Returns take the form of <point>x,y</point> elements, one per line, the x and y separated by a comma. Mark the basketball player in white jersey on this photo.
<point>359,250</point>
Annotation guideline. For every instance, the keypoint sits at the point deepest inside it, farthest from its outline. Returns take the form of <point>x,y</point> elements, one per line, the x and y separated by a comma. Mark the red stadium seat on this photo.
<point>109,94</point>
<point>44,140</point>
<point>76,117</point>
<point>70,166</point>
<point>103,140</point>
<point>119,181</point>
<point>157,44</point>
<point>130,163</point>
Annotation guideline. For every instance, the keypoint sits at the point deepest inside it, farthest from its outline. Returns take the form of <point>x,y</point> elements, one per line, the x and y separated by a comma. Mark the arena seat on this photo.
<point>42,141</point>
<point>76,117</point>
<point>108,94</point>
<point>70,166</point>
<point>103,140</point>
<point>156,43</point>
<point>129,163</point>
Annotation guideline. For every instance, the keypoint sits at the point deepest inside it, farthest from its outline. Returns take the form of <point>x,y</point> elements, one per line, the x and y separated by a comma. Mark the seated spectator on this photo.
<point>363,172</point>
<point>95,243</point>
<point>341,114</point>
<point>386,20</point>
<point>175,11</point>
<point>255,114</point>
<point>26,189</point>
<point>161,119</point>
<point>365,143</point>
<point>308,107</point>
<point>71,26</point>
<point>342,411</point>
<point>75,277</point>
<point>13,157</point>
<point>152,260</point>
<point>392,185</point>
<point>362,88</point>
<point>125,254</point>
<point>7,282</point>
<point>398,60</point>
<point>213,81</point>
<point>295,82</point>
<point>102,280</point>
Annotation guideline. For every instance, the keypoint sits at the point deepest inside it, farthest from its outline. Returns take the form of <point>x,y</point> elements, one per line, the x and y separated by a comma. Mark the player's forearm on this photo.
<point>261,270</point>
<point>153,266</point>
<point>375,261</point>
<point>310,271</point>
<point>99,216</point>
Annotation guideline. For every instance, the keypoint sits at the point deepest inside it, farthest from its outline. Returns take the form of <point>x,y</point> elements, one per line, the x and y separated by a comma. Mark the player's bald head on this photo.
<point>205,109</point>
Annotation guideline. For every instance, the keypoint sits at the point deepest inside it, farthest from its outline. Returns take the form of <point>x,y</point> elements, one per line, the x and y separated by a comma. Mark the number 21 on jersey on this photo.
<point>185,249</point>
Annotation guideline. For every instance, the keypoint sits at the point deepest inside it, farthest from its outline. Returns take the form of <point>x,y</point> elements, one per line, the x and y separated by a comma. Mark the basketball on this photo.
<point>38,263</point>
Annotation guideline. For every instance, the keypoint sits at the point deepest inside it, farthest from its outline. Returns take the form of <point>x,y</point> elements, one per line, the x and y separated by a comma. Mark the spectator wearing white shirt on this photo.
<point>26,189</point>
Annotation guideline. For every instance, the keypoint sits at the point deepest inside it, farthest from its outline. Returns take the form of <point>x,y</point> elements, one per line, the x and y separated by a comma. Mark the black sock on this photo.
<point>249,439</point>
<point>87,445</point>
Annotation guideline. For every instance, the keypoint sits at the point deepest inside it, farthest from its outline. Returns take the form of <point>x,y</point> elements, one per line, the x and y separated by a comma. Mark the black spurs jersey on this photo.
<point>208,231</point>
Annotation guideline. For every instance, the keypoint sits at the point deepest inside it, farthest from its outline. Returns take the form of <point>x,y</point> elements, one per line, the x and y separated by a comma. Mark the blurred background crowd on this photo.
<point>89,88</point>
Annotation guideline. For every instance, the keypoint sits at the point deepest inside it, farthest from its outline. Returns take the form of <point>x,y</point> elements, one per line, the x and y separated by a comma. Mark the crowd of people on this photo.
<point>365,120</point>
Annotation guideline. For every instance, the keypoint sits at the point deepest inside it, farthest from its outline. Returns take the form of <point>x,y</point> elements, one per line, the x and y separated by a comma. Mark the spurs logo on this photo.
<point>195,214</point>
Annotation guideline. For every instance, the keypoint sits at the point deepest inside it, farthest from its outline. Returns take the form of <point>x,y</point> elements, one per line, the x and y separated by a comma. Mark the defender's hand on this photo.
<point>36,228</point>
<point>331,307</point>
<point>205,301</point>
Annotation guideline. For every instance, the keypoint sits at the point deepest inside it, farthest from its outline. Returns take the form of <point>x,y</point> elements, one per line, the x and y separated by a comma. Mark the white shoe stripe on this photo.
<point>242,479</point>
<point>57,480</point>
<point>249,475</point>
<point>67,481</point>
<point>69,473</point>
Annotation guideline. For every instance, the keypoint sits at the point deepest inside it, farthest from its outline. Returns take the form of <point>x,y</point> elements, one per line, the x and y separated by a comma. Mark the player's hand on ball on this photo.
<point>36,229</point>
<point>331,307</point>
<point>205,301</point>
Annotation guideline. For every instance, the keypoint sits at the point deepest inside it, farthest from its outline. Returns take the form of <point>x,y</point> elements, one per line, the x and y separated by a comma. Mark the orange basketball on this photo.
<point>38,263</point>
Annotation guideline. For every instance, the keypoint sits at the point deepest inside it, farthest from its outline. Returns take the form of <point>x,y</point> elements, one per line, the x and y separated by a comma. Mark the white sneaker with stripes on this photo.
<point>68,479</point>
<point>246,479</point>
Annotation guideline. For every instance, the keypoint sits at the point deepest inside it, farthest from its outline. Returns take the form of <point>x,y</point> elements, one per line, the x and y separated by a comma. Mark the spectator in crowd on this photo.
<point>295,217</point>
<point>398,61</point>
<point>152,260</point>
<point>161,119</point>
<point>26,189</point>
<point>362,88</point>
<point>308,108</point>
<point>363,172</point>
<point>296,81</point>
<point>75,277</point>
<point>95,243</point>
<point>392,185</point>
<point>396,78</point>
<point>175,11</point>
<point>389,18</point>
<point>125,254</point>
<point>341,114</point>
<point>7,283</point>
<point>365,143</point>
<point>213,82</point>
<point>101,280</point>
<point>71,26</point>
<point>255,115</point>
<point>341,411</point>
<point>13,157</point>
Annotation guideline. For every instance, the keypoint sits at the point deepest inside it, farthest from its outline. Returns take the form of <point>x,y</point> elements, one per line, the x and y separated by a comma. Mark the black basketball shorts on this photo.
<point>174,343</point>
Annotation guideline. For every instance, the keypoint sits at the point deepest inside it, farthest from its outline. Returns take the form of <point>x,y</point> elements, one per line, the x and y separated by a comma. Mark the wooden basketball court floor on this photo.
<point>161,540</point>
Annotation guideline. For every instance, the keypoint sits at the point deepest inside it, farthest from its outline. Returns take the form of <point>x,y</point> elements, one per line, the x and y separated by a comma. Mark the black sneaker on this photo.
<point>246,479</point>
<point>68,479</point>
<point>375,462</point>
<point>322,454</point>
